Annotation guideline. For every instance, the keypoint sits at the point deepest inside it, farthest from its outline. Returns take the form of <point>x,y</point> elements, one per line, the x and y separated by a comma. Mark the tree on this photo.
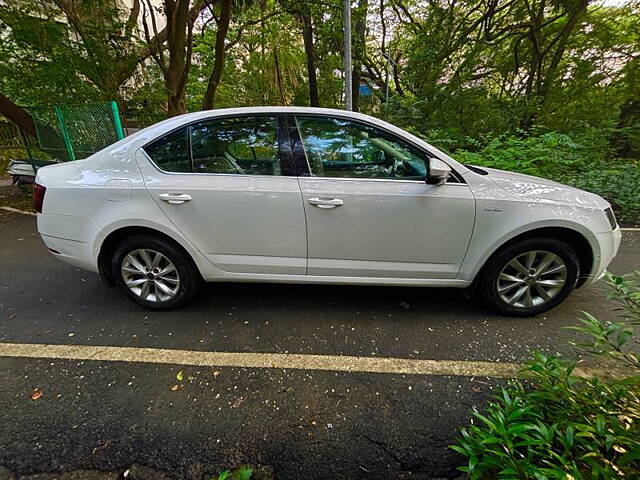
<point>17,115</point>
<point>97,41</point>
<point>174,60</point>
<point>222,22</point>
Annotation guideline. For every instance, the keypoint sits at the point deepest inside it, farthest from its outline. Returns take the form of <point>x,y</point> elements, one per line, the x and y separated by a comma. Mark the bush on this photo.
<point>583,163</point>
<point>555,424</point>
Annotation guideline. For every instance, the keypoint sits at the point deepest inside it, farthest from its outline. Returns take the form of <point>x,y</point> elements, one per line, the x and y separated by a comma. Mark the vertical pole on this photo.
<point>348,94</point>
<point>25,142</point>
<point>64,132</point>
<point>386,81</point>
<point>116,120</point>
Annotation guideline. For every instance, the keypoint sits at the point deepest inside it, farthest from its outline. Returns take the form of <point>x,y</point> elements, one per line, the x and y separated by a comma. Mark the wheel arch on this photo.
<point>111,241</point>
<point>574,238</point>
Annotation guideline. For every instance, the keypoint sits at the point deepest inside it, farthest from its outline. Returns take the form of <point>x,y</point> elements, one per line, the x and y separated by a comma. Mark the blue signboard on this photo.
<point>365,91</point>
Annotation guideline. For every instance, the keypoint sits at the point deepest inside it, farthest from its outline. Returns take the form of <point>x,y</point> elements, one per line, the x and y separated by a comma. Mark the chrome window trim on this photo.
<point>243,175</point>
<point>239,175</point>
<point>396,180</point>
<point>275,113</point>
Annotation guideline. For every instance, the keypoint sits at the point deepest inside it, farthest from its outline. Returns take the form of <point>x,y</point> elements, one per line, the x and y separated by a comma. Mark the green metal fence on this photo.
<point>70,132</point>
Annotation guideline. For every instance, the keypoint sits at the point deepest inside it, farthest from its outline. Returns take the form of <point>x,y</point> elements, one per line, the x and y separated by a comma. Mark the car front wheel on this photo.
<point>529,277</point>
<point>154,272</point>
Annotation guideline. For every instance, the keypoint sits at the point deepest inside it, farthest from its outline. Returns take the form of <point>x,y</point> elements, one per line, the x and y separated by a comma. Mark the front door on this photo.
<point>228,186</point>
<point>369,210</point>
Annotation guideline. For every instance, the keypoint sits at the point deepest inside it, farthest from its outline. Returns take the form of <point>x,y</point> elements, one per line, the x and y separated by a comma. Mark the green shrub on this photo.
<point>580,162</point>
<point>554,424</point>
<point>244,472</point>
<point>619,183</point>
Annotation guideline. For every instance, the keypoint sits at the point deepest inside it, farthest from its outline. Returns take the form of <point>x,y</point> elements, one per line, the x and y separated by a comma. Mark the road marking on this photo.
<point>15,210</point>
<point>337,363</point>
<point>294,361</point>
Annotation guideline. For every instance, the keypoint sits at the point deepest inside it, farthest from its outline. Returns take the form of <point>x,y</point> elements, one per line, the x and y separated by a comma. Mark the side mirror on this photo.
<point>439,172</point>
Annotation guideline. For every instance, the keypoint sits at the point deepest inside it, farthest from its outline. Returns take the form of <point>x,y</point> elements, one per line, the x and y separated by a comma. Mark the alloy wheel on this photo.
<point>531,279</point>
<point>150,275</point>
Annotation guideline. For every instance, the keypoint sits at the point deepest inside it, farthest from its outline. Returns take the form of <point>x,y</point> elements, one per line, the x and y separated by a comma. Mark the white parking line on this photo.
<point>405,366</point>
<point>15,210</point>
<point>336,363</point>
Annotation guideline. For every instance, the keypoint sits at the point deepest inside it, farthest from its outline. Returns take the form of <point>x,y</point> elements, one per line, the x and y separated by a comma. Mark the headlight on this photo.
<point>611,217</point>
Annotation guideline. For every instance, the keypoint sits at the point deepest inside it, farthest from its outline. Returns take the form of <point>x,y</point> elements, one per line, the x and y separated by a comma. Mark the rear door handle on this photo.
<point>174,198</point>
<point>325,202</point>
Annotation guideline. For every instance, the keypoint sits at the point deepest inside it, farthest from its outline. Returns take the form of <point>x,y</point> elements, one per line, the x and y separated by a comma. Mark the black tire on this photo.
<point>189,277</point>
<point>487,282</point>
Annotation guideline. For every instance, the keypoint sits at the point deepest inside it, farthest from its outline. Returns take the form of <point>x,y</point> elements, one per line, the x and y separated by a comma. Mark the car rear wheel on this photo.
<point>529,277</point>
<point>154,272</point>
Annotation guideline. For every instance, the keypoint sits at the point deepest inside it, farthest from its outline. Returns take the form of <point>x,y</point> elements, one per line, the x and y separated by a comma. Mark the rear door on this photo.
<point>369,210</point>
<point>229,186</point>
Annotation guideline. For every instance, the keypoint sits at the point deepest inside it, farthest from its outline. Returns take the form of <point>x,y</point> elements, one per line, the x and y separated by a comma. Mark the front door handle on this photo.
<point>174,198</point>
<point>326,202</point>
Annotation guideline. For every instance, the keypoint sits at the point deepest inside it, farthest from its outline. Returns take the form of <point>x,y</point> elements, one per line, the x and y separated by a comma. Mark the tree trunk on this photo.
<point>279,76</point>
<point>179,28</point>
<point>208,100</point>
<point>309,50</point>
<point>17,115</point>
<point>621,141</point>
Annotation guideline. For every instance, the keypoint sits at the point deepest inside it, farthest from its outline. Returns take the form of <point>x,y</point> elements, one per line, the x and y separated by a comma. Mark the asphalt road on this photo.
<point>301,423</point>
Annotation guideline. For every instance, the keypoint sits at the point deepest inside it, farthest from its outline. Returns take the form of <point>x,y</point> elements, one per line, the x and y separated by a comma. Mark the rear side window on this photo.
<point>245,145</point>
<point>171,152</point>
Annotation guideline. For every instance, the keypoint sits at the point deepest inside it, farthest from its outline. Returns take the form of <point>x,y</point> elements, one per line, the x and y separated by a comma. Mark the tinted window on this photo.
<point>341,148</point>
<point>246,145</point>
<point>171,152</point>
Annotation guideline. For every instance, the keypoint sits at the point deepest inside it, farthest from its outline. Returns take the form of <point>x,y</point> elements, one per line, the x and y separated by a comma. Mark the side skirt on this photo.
<point>317,279</point>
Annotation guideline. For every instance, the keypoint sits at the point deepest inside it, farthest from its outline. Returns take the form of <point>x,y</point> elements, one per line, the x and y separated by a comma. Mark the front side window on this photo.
<point>171,152</point>
<point>246,145</point>
<point>335,147</point>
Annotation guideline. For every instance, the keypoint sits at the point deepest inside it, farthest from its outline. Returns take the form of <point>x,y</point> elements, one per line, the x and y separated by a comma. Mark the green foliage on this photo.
<point>550,153</point>
<point>554,424</point>
<point>243,472</point>
<point>583,162</point>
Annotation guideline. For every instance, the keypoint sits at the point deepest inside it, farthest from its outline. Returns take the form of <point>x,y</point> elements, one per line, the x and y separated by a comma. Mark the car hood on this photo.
<point>541,189</point>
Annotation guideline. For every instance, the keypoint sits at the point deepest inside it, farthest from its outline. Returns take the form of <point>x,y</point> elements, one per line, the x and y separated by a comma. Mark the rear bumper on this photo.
<point>608,245</point>
<point>66,238</point>
<point>70,251</point>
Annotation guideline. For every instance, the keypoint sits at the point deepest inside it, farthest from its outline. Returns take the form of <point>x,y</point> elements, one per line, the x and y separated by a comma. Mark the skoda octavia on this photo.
<point>305,195</point>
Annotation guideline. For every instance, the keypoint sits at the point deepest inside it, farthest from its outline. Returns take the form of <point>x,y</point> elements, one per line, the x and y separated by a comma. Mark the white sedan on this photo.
<point>307,195</point>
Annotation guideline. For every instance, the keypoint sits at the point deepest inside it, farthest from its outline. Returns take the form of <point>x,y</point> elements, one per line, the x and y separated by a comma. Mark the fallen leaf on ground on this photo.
<point>36,394</point>
<point>174,388</point>
<point>180,376</point>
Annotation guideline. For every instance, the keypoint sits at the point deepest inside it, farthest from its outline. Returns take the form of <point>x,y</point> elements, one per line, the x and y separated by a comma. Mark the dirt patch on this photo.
<point>136,472</point>
<point>19,197</point>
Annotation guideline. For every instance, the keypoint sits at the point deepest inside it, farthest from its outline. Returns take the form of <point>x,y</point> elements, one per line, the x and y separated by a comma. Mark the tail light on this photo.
<point>38,196</point>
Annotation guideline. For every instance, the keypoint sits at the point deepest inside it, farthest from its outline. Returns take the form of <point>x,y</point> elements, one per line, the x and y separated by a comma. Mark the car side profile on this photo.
<point>308,195</point>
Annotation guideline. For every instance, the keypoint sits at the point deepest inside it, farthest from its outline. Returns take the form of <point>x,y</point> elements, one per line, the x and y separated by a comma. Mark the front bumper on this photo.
<point>608,244</point>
